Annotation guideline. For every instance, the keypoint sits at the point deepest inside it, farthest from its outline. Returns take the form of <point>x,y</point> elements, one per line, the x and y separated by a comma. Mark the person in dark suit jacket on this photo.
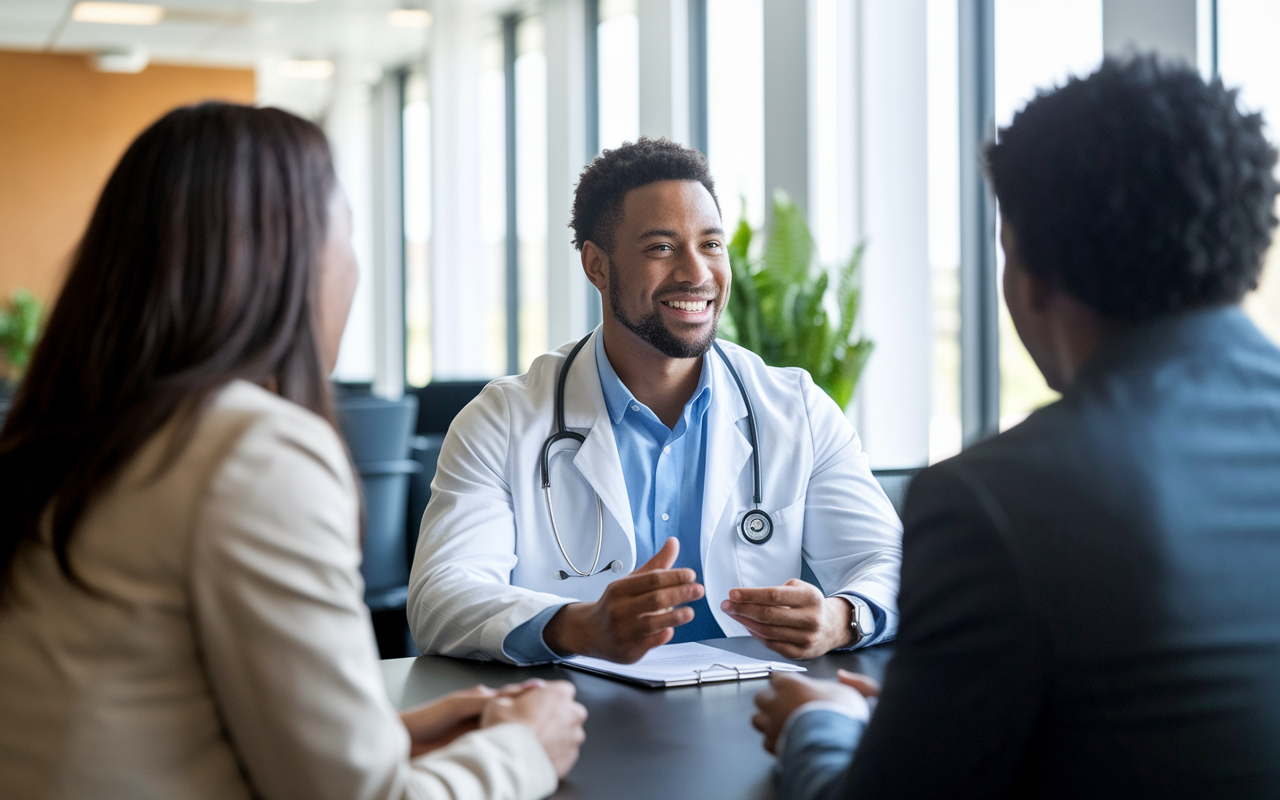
<point>1090,602</point>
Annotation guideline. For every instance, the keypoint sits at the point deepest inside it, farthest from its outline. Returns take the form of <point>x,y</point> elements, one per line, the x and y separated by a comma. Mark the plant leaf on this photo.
<point>779,307</point>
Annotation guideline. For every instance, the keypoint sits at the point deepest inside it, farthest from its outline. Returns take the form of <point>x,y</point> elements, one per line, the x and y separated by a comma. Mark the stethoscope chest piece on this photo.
<point>756,527</point>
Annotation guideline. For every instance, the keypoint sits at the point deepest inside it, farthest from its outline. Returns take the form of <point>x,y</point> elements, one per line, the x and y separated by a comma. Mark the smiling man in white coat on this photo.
<point>649,484</point>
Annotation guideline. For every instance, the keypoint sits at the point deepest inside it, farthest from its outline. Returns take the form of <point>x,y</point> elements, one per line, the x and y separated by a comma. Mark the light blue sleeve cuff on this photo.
<point>525,645</point>
<point>816,752</point>
<point>882,630</point>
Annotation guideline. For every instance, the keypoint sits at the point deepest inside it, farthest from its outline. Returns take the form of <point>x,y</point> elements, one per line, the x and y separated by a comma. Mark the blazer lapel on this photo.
<point>728,450</point>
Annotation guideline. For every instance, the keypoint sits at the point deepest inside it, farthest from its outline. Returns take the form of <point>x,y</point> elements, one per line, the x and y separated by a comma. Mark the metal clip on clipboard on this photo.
<point>736,671</point>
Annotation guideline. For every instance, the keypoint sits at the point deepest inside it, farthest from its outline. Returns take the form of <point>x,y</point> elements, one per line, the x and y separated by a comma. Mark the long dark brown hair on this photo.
<point>199,266</point>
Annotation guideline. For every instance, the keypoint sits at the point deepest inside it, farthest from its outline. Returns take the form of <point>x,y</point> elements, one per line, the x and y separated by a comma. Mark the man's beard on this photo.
<point>651,329</point>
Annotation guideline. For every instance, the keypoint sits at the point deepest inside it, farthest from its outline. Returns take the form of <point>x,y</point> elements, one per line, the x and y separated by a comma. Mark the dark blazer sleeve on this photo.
<point>964,691</point>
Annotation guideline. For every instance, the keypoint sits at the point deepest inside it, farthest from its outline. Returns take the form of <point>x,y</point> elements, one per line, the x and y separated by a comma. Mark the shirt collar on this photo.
<point>617,397</point>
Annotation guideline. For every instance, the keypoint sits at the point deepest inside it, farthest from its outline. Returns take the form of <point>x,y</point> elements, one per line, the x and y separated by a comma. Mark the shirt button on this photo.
<point>666,517</point>
<point>635,408</point>
<point>667,449</point>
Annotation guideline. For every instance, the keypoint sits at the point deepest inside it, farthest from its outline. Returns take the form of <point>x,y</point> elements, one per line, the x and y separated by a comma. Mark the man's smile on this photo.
<point>688,305</point>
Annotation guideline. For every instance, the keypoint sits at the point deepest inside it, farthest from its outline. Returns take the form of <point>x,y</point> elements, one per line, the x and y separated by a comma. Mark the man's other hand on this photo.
<point>788,691</point>
<point>634,615</point>
<point>794,619</point>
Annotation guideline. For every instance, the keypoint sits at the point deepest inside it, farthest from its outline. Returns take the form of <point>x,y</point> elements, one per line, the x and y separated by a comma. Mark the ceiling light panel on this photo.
<point>409,18</point>
<point>118,13</point>
<point>306,69</point>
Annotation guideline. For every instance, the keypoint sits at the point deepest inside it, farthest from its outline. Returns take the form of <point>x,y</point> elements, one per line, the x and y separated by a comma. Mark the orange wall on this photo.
<point>63,126</point>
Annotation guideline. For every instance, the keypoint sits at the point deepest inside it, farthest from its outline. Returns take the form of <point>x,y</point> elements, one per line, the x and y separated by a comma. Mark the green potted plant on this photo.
<point>19,331</point>
<point>779,309</point>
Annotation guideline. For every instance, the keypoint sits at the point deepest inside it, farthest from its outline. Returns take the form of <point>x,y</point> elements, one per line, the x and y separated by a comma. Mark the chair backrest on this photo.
<point>440,401</point>
<point>377,429</point>
<point>895,483</point>
<point>378,433</point>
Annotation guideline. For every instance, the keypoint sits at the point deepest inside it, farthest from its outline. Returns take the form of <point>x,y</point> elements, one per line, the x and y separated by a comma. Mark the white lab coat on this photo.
<point>486,557</point>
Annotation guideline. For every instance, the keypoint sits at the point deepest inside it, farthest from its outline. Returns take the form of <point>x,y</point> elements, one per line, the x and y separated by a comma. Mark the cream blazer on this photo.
<point>230,653</point>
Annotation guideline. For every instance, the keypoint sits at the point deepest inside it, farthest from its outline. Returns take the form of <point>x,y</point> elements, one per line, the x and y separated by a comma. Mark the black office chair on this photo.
<point>378,433</point>
<point>438,403</point>
<point>895,483</point>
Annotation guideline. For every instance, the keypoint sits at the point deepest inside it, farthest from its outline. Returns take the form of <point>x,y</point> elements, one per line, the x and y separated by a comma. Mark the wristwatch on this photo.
<point>863,621</point>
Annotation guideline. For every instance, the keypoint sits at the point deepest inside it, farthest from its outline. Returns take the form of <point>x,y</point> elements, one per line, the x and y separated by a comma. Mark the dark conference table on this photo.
<point>646,744</point>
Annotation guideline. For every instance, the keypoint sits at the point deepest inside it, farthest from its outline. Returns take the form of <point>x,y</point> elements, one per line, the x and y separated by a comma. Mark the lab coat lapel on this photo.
<point>728,450</point>
<point>597,459</point>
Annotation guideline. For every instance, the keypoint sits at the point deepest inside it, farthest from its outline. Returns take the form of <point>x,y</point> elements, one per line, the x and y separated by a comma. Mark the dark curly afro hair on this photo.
<point>1139,190</point>
<point>597,202</point>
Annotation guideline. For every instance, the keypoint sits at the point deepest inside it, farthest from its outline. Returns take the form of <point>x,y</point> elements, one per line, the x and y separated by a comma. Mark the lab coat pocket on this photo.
<point>778,559</point>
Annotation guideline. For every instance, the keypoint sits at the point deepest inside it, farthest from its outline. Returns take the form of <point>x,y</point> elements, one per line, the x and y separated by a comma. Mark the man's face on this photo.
<point>669,271</point>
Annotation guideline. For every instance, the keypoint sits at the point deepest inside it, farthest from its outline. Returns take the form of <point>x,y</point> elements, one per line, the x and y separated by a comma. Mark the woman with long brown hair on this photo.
<point>180,596</point>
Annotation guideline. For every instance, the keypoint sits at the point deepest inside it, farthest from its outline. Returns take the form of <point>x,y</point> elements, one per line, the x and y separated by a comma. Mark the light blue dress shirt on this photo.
<point>665,473</point>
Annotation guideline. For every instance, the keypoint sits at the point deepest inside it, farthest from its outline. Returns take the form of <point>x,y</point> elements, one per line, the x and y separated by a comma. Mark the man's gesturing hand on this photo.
<point>634,615</point>
<point>793,619</point>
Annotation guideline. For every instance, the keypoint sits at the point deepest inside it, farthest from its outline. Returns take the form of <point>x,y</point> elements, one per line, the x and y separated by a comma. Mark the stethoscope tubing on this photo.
<point>751,426</point>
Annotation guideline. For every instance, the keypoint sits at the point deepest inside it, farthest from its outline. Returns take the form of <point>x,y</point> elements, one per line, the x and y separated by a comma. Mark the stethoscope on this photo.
<point>756,526</point>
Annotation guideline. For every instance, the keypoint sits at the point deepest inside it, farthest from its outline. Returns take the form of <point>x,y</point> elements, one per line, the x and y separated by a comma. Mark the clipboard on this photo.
<point>685,664</point>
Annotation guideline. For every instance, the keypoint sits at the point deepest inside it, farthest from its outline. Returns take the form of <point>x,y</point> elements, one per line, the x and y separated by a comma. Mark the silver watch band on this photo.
<point>863,622</point>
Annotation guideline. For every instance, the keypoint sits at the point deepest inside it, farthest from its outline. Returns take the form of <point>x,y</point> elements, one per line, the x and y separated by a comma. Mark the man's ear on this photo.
<point>595,263</point>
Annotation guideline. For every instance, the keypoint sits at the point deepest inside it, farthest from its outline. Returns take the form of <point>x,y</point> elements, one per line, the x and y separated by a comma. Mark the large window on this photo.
<point>531,188</point>
<point>468,296</point>
<point>417,229</point>
<point>482,287</point>
<point>944,225</point>
<point>1249,59</point>
<point>618,59</point>
<point>735,106</point>
<point>824,139</point>
<point>1038,45</point>
<point>492,359</point>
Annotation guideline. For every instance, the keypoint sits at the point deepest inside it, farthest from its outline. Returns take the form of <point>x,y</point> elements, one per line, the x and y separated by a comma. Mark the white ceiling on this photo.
<point>228,32</point>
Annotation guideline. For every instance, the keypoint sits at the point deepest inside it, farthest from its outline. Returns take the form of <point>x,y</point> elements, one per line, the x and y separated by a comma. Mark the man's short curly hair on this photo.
<point>1139,190</point>
<point>597,202</point>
